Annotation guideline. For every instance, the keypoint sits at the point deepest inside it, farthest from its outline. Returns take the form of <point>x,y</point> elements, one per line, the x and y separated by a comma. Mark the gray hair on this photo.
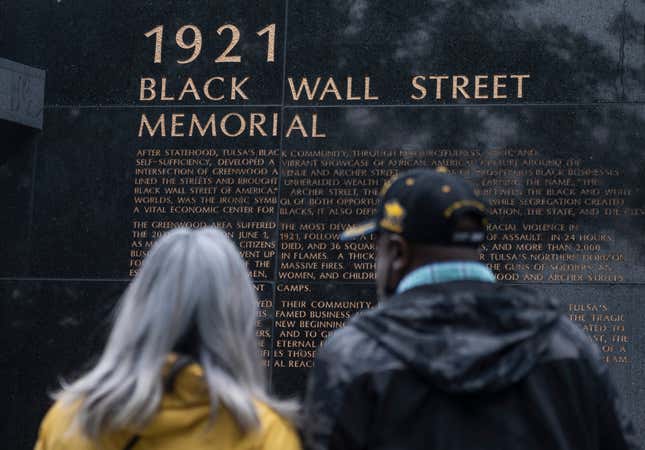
<point>190,280</point>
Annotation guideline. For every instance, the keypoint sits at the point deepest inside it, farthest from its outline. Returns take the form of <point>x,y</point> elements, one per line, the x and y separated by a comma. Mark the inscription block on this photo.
<point>279,122</point>
<point>22,94</point>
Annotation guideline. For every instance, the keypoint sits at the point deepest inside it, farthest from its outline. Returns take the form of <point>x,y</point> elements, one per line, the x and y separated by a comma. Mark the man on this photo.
<point>450,359</point>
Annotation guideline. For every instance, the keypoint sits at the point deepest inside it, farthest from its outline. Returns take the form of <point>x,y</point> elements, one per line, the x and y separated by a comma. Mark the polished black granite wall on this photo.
<point>67,191</point>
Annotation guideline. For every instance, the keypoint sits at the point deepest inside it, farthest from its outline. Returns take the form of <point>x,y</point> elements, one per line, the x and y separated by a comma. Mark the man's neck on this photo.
<point>422,255</point>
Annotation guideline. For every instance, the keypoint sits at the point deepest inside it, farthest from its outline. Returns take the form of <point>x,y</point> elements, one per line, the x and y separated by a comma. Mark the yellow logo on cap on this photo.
<point>463,204</point>
<point>388,184</point>
<point>394,215</point>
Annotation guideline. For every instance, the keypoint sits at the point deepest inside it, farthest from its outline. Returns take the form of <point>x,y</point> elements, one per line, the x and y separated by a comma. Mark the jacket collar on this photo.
<point>444,272</point>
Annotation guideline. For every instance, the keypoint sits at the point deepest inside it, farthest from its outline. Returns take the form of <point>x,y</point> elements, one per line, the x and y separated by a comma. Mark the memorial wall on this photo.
<point>279,122</point>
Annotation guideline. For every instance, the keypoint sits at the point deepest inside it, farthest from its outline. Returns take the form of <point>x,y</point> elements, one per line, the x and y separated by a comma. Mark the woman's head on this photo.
<point>192,293</point>
<point>191,280</point>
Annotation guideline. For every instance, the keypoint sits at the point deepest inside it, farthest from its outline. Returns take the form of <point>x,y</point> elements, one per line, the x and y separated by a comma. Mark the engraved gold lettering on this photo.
<point>520,84</point>
<point>226,131</point>
<point>459,82</point>
<point>207,85</point>
<point>479,85</point>
<point>421,88</point>
<point>161,125</point>
<point>147,85</point>
<point>189,87</point>
<point>194,123</point>
<point>176,124</point>
<point>439,79</point>
<point>497,85</point>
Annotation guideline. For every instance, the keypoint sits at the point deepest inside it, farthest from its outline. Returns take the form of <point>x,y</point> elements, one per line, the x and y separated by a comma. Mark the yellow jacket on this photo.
<point>183,423</point>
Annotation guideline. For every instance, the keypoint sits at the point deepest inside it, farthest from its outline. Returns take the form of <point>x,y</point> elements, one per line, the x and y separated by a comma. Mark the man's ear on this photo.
<point>401,255</point>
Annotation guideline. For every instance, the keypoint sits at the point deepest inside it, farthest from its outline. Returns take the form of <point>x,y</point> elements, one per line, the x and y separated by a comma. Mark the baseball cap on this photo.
<point>424,206</point>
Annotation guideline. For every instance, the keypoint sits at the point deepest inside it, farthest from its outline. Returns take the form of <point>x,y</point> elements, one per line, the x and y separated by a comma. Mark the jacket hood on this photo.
<point>465,336</point>
<point>185,405</point>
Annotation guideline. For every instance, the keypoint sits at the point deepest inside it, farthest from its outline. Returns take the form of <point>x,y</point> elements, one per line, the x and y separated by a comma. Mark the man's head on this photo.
<point>423,216</point>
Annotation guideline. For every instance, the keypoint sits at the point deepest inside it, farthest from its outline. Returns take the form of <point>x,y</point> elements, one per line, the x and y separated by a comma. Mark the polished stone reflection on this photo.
<point>105,65</point>
<point>16,184</point>
<point>69,192</point>
<point>52,330</point>
<point>612,316</point>
<point>574,52</point>
<point>576,169</point>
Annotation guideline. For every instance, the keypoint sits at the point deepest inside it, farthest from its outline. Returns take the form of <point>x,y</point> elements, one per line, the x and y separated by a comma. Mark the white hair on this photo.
<point>191,282</point>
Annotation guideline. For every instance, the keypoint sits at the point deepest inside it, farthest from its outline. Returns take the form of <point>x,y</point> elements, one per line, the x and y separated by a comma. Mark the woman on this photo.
<point>181,368</point>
